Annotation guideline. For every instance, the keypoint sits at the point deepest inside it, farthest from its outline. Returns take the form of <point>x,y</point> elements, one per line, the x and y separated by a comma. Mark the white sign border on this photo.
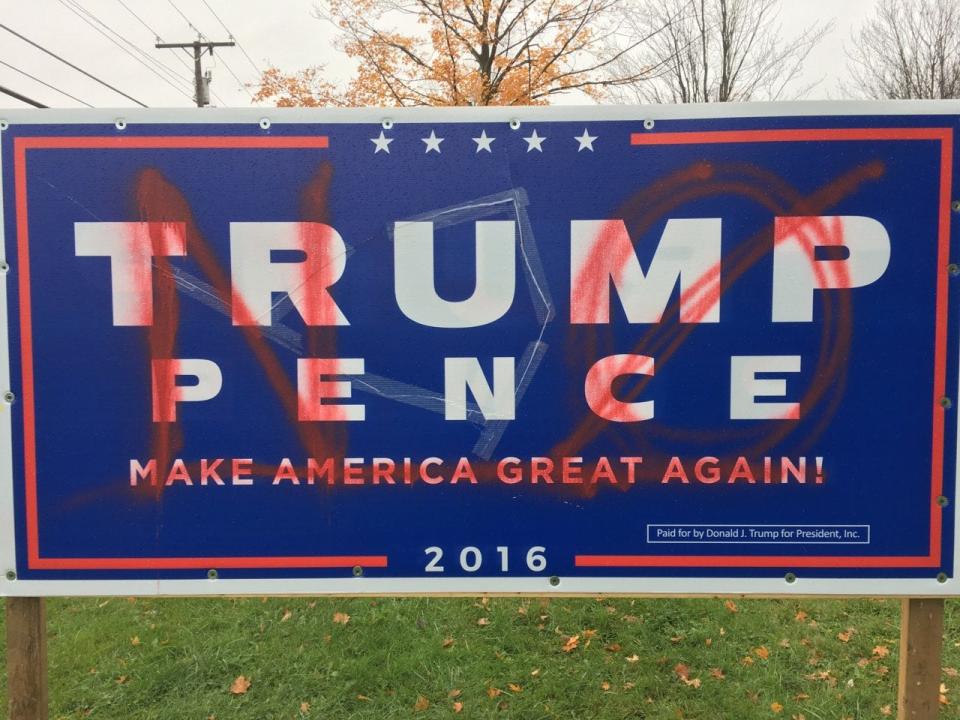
<point>471,586</point>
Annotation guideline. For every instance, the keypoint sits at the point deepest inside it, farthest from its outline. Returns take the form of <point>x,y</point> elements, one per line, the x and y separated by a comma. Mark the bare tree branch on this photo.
<point>711,51</point>
<point>909,49</point>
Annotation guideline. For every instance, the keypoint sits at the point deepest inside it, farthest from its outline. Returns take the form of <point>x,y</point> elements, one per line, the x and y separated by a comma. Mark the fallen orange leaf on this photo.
<point>800,616</point>
<point>493,692</point>
<point>683,673</point>
<point>776,707</point>
<point>455,693</point>
<point>762,652</point>
<point>448,642</point>
<point>341,618</point>
<point>304,708</point>
<point>881,651</point>
<point>717,673</point>
<point>632,658</point>
<point>421,704</point>
<point>240,685</point>
<point>605,686</point>
<point>845,636</point>
<point>731,606</point>
<point>483,622</point>
<point>571,644</point>
<point>457,707</point>
<point>886,710</point>
<point>514,687</point>
<point>286,616</point>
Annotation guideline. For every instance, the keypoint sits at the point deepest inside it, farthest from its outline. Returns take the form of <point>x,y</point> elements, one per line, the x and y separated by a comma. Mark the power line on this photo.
<point>161,65</point>
<point>202,36</point>
<point>186,19</point>
<point>239,81</point>
<point>46,84</point>
<point>70,6</point>
<point>140,19</point>
<point>21,98</point>
<point>233,37</point>
<point>153,32</point>
<point>70,64</point>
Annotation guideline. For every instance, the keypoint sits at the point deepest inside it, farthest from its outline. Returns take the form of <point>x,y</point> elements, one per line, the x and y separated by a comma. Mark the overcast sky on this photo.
<point>278,32</point>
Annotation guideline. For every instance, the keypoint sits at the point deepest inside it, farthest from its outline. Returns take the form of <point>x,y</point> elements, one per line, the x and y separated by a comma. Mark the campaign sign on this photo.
<point>515,350</point>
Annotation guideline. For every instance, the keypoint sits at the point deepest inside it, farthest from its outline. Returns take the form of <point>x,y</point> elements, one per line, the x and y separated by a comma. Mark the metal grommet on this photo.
<point>942,577</point>
<point>4,266</point>
<point>264,123</point>
<point>515,124</point>
<point>955,206</point>
<point>790,578</point>
<point>946,403</point>
<point>953,269</point>
<point>554,581</point>
<point>387,123</point>
<point>648,124</point>
<point>9,397</point>
<point>212,574</point>
<point>357,571</point>
<point>11,575</point>
<point>4,124</point>
<point>943,501</point>
<point>120,124</point>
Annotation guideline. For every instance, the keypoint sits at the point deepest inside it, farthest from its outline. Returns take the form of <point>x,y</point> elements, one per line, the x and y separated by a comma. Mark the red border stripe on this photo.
<point>765,561</point>
<point>799,135</point>
<point>219,563</point>
<point>172,142</point>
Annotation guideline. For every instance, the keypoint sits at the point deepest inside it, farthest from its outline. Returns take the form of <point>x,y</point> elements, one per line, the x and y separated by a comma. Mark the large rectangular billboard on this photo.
<point>540,350</point>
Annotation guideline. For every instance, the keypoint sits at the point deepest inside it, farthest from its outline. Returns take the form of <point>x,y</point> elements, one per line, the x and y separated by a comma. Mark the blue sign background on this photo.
<point>92,383</point>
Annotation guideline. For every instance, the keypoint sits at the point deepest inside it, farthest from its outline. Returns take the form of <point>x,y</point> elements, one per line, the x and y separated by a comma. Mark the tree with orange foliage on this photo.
<point>470,52</point>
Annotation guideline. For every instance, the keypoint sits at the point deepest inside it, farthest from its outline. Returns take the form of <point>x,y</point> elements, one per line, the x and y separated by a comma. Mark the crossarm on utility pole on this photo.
<point>198,47</point>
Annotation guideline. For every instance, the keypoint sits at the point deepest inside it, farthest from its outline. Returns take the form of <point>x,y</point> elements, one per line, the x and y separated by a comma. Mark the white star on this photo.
<point>534,142</point>
<point>433,142</point>
<point>382,143</point>
<point>586,141</point>
<point>483,142</point>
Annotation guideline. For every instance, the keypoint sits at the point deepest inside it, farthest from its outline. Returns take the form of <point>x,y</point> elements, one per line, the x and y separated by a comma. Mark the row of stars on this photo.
<point>484,142</point>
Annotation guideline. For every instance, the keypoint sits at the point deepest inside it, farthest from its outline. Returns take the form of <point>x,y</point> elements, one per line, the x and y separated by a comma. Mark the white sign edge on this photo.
<point>540,585</point>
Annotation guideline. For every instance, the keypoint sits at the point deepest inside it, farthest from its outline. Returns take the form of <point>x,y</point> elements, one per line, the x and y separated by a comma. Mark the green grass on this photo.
<point>392,653</point>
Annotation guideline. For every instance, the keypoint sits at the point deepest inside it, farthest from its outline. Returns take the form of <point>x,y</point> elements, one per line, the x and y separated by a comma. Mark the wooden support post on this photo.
<point>27,658</point>
<point>921,644</point>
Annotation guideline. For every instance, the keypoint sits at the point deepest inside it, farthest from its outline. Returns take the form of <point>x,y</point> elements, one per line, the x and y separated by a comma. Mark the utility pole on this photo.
<point>201,82</point>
